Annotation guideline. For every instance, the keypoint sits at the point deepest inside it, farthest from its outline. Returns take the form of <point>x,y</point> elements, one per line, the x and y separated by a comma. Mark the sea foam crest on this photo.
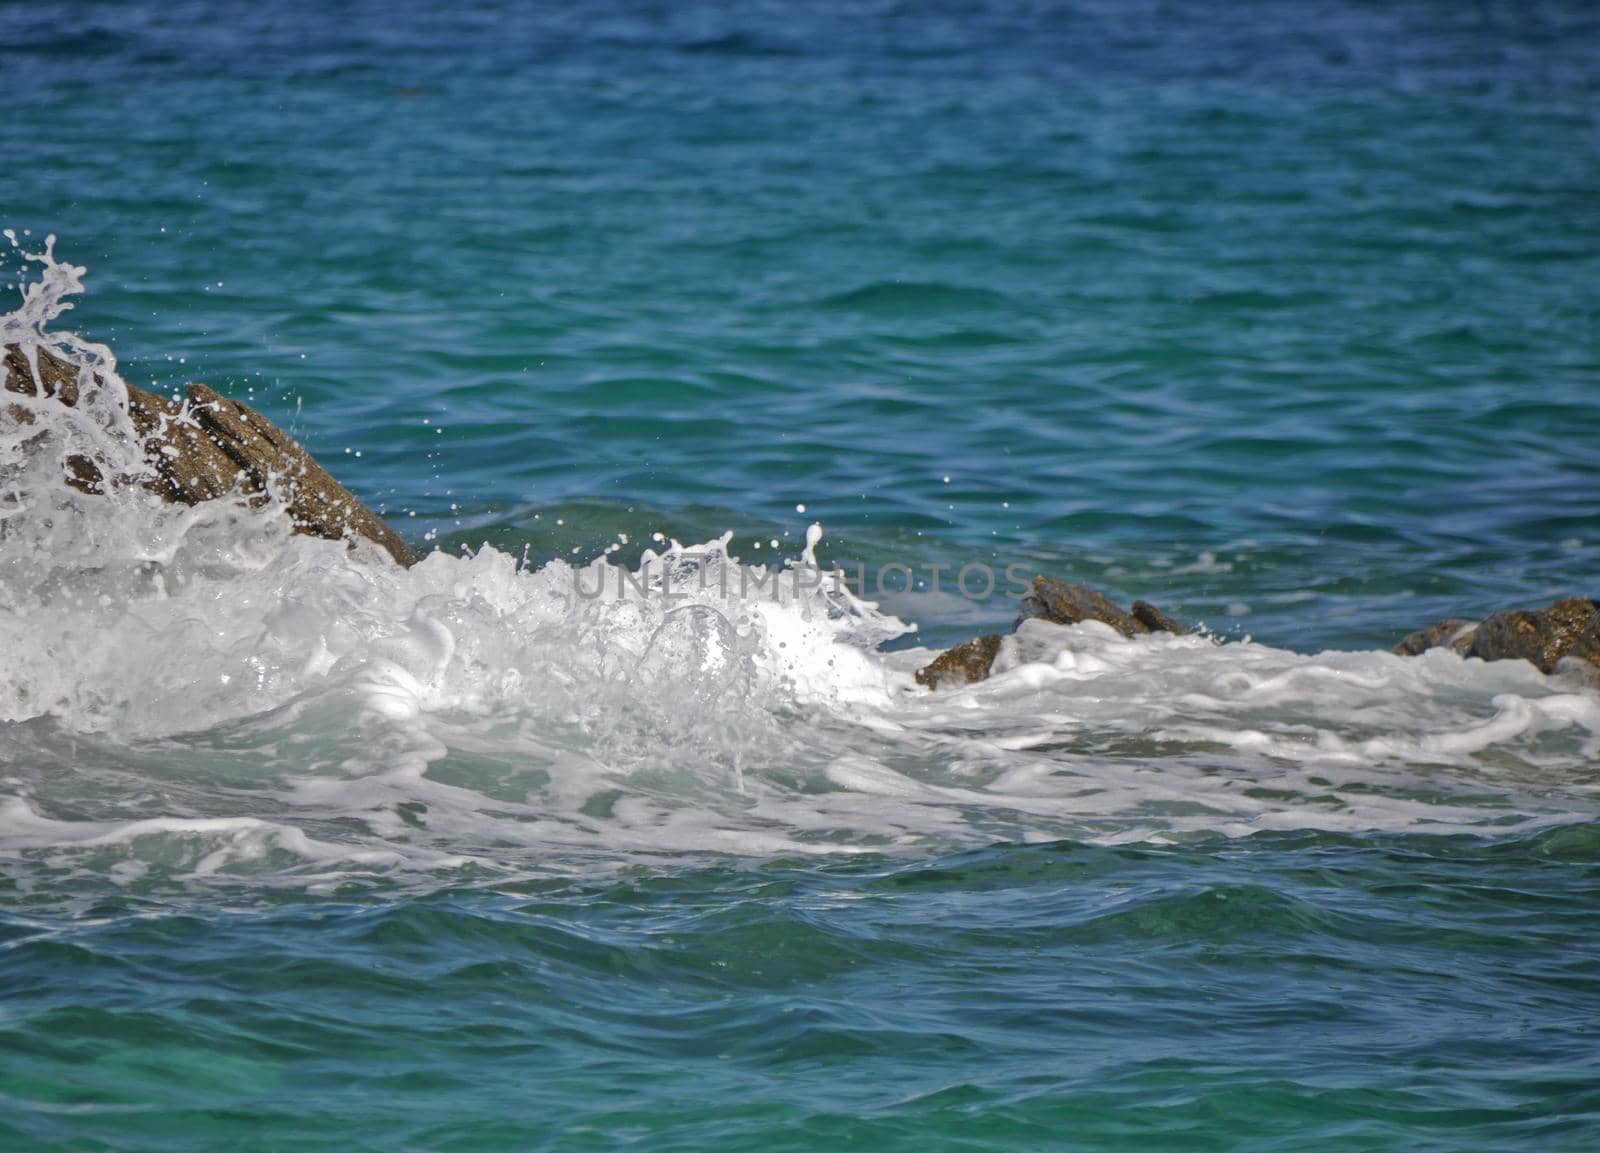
<point>192,693</point>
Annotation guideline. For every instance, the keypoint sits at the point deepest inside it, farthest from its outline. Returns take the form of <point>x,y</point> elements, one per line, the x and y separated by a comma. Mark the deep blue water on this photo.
<point>1280,314</point>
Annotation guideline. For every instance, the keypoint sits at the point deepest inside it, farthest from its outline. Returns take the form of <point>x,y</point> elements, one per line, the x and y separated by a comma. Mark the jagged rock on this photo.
<point>1457,634</point>
<point>1587,646</point>
<point>1066,604</point>
<point>965,664</point>
<point>57,378</point>
<point>209,446</point>
<point>1543,636</point>
<point>1050,600</point>
<point>1157,621</point>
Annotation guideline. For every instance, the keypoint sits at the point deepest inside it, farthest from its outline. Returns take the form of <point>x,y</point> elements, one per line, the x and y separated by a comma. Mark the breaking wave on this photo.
<point>191,694</point>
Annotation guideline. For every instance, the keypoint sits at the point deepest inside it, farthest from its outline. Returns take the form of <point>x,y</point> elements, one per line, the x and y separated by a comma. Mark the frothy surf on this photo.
<point>191,694</point>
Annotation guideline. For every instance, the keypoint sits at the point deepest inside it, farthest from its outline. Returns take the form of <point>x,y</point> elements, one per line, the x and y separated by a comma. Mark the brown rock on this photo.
<point>56,377</point>
<point>190,466</point>
<point>1066,604</point>
<point>318,505</point>
<point>1157,621</point>
<point>1542,636</point>
<point>1055,601</point>
<point>209,447</point>
<point>1587,646</point>
<point>1455,633</point>
<point>963,665</point>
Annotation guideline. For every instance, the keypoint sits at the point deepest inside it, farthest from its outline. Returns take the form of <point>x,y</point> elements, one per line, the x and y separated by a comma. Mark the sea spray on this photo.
<point>1293,313</point>
<point>191,695</point>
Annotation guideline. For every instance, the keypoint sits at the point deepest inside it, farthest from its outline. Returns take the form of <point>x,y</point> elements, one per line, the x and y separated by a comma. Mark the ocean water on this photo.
<point>619,822</point>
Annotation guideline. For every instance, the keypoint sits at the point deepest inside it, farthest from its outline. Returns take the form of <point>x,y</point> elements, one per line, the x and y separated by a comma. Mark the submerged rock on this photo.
<point>1050,600</point>
<point>1568,629</point>
<point>1587,647</point>
<point>1157,621</point>
<point>965,664</point>
<point>1066,604</point>
<point>1457,634</point>
<point>206,447</point>
<point>1543,636</point>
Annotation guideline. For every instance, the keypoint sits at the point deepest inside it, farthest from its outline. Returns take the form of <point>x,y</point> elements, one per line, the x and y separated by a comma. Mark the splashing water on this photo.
<point>191,694</point>
<point>40,435</point>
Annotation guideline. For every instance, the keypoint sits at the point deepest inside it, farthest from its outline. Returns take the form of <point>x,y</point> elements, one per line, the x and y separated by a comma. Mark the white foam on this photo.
<point>192,693</point>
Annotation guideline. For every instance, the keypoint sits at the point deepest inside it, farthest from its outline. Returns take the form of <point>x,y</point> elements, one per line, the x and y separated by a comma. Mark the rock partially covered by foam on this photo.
<point>965,664</point>
<point>1454,633</point>
<point>206,447</point>
<point>1568,629</point>
<point>1068,604</point>
<point>1059,603</point>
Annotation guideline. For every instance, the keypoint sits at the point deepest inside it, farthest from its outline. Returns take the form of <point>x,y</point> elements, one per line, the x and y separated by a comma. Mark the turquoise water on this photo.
<point>1301,992</point>
<point>1281,315</point>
